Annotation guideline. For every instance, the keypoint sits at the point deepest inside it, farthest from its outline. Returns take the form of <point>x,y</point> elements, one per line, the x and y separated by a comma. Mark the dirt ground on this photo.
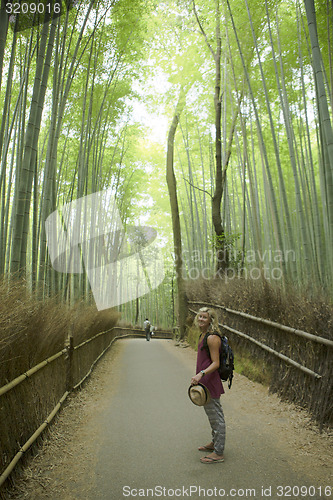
<point>66,452</point>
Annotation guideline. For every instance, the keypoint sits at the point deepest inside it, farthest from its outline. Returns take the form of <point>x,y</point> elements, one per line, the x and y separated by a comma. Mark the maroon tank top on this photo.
<point>212,381</point>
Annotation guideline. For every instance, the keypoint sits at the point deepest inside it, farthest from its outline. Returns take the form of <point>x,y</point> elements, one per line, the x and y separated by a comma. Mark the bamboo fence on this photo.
<point>57,377</point>
<point>300,362</point>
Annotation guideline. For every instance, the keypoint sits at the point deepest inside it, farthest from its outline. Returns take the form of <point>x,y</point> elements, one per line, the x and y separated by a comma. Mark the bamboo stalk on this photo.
<point>301,333</point>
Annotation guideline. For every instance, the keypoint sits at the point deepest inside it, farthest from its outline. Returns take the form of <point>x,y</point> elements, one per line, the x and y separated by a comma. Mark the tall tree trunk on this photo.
<point>5,132</point>
<point>221,251</point>
<point>221,165</point>
<point>23,195</point>
<point>271,197</point>
<point>325,124</point>
<point>177,239</point>
<point>3,34</point>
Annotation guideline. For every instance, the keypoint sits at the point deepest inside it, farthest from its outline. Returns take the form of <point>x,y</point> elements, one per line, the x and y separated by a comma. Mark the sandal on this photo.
<point>211,460</point>
<point>206,448</point>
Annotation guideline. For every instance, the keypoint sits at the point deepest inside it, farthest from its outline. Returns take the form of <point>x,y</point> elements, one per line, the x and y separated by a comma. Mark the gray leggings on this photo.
<point>216,419</point>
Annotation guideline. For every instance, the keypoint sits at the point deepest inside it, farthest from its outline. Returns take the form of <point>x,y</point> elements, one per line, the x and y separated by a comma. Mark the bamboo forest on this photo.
<point>207,121</point>
<point>166,174</point>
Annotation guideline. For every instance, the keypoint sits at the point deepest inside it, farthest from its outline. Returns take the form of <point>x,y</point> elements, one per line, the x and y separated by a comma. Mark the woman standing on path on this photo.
<point>207,375</point>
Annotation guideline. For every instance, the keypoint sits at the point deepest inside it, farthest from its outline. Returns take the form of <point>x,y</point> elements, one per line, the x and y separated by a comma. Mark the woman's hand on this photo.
<point>196,379</point>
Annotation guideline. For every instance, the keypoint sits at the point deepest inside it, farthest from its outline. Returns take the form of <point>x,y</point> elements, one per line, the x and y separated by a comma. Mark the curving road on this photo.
<point>149,432</point>
<point>134,434</point>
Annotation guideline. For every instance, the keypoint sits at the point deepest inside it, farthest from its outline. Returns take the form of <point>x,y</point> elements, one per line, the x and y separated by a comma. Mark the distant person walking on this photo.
<point>208,361</point>
<point>146,326</point>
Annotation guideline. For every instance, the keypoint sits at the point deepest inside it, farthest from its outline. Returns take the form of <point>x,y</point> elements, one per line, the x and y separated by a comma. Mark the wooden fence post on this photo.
<point>69,358</point>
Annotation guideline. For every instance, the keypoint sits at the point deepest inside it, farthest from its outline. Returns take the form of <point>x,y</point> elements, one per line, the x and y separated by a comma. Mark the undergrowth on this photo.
<point>286,305</point>
<point>32,329</point>
<point>258,370</point>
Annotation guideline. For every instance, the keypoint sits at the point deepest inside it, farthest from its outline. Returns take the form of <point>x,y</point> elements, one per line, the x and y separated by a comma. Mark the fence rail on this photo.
<point>68,354</point>
<point>6,473</point>
<point>29,373</point>
<point>301,333</point>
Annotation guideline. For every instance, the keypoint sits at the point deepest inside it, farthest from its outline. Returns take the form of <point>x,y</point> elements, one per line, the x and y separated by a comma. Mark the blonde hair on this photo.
<point>214,323</point>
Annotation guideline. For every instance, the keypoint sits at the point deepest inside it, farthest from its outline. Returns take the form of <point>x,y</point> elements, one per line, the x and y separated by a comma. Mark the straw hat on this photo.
<point>199,394</point>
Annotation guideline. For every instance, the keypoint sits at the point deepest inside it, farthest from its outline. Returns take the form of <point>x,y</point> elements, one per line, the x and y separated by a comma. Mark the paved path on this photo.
<point>152,431</point>
<point>139,435</point>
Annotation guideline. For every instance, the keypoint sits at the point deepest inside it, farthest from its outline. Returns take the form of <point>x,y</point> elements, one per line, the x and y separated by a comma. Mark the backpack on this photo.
<point>226,367</point>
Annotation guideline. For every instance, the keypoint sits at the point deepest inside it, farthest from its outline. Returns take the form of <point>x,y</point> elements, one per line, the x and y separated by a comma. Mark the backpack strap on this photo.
<point>205,341</point>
